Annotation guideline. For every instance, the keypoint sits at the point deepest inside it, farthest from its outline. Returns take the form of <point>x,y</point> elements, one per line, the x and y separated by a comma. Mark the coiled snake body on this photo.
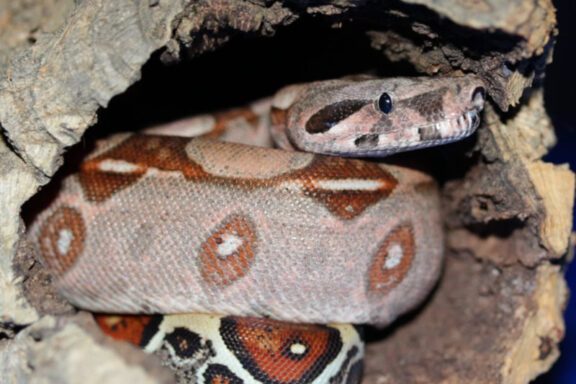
<point>262,243</point>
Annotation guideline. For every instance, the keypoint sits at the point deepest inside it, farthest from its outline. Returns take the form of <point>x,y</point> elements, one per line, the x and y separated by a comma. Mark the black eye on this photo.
<point>385,103</point>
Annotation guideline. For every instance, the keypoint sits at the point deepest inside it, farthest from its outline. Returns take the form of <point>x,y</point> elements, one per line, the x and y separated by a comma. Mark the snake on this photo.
<point>237,263</point>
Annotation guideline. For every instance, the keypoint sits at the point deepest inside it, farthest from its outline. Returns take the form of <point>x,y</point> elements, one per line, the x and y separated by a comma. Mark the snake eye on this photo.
<point>385,103</point>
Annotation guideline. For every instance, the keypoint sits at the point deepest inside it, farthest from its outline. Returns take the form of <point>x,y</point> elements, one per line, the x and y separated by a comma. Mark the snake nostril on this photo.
<point>478,96</point>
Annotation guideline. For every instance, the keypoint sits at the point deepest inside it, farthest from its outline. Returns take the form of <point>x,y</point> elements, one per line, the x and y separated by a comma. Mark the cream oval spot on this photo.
<point>298,348</point>
<point>395,255</point>
<point>230,244</point>
<point>65,238</point>
<point>350,184</point>
<point>119,166</point>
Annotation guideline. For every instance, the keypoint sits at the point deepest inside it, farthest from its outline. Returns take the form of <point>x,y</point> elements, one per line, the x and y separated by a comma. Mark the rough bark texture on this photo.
<point>496,315</point>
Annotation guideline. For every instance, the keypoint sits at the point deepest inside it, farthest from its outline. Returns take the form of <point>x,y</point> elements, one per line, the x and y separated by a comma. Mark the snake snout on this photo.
<point>478,97</point>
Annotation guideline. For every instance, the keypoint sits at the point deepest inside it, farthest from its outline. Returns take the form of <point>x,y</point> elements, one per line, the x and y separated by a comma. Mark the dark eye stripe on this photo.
<point>332,114</point>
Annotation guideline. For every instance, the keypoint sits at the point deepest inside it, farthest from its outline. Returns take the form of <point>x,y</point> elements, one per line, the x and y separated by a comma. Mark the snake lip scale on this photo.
<point>241,264</point>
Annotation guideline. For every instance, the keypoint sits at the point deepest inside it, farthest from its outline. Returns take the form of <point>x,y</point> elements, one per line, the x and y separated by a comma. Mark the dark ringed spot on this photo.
<point>184,342</point>
<point>228,253</point>
<point>367,141</point>
<point>393,260</point>
<point>275,352</point>
<point>220,374</point>
<point>323,120</point>
<point>62,239</point>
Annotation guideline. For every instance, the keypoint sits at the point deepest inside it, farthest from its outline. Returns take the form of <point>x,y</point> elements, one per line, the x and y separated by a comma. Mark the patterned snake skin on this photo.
<point>250,247</point>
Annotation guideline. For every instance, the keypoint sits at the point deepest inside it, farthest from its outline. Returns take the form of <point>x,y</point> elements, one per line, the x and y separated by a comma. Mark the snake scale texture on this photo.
<point>243,264</point>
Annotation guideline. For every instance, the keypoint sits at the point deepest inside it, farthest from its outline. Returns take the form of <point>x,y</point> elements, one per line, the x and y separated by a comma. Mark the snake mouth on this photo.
<point>450,130</point>
<point>467,123</point>
<point>458,124</point>
<point>470,119</point>
<point>433,134</point>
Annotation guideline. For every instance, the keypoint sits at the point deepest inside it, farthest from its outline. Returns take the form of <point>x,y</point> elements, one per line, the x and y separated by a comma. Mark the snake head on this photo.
<point>379,117</point>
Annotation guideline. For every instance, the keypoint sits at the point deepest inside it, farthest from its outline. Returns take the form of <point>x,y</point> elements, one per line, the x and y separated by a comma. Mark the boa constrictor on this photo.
<point>262,243</point>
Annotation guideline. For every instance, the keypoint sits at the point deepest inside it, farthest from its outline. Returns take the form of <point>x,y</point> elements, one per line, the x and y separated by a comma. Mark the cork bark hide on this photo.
<point>495,316</point>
